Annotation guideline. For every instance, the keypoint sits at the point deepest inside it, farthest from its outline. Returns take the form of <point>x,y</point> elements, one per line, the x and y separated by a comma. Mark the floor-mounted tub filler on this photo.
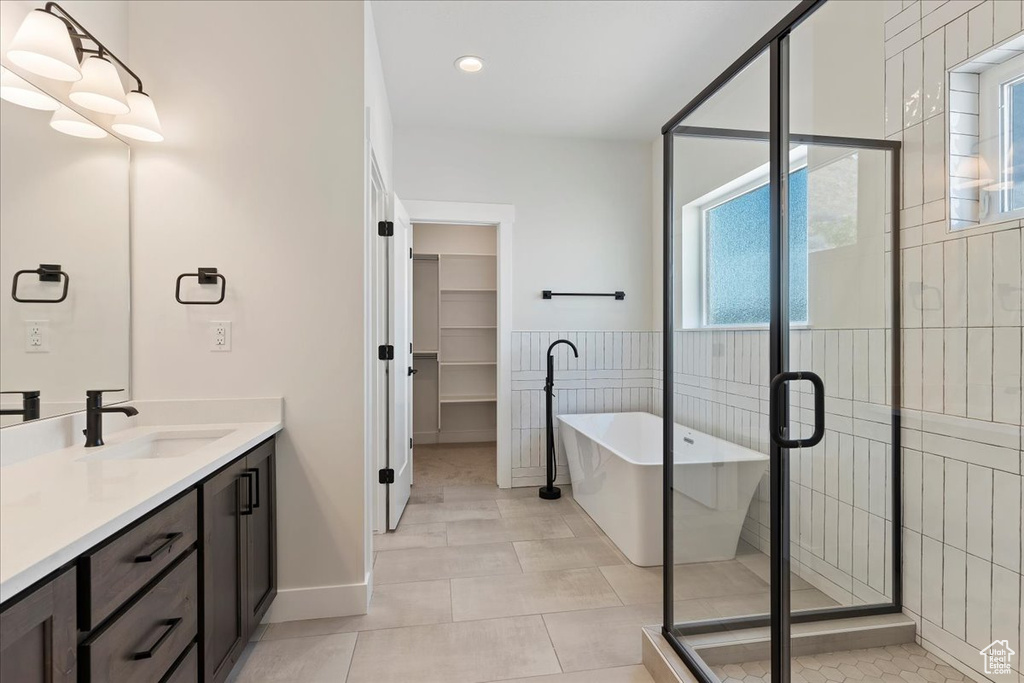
<point>615,463</point>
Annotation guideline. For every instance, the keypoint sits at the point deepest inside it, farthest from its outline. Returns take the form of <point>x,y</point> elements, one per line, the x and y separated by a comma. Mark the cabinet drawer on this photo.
<point>142,644</point>
<point>186,669</point>
<point>111,575</point>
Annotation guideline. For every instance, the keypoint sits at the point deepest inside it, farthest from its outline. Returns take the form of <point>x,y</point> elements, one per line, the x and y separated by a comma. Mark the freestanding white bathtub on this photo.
<point>615,462</point>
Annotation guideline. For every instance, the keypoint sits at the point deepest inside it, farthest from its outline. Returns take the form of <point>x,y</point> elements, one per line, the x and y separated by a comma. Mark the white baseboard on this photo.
<point>319,602</point>
<point>420,438</point>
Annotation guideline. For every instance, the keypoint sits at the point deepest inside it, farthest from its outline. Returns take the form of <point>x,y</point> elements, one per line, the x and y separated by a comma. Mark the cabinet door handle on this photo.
<point>247,507</point>
<point>169,625</point>
<point>256,486</point>
<point>169,539</point>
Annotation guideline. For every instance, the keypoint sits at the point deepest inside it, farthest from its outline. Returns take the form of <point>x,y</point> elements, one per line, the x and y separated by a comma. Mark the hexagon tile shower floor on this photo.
<point>909,663</point>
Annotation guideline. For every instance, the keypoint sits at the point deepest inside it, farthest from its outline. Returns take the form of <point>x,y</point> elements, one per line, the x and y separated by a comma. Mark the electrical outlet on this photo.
<point>220,335</point>
<point>37,336</point>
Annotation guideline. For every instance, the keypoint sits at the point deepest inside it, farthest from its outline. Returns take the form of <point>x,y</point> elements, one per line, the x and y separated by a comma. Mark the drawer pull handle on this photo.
<point>169,539</point>
<point>170,625</point>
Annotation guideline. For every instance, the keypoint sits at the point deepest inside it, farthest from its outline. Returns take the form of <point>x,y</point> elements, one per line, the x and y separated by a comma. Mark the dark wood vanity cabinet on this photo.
<point>38,635</point>
<point>262,534</point>
<point>239,557</point>
<point>173,598</point>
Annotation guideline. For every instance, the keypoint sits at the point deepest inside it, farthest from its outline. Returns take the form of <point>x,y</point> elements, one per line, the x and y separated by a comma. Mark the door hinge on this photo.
<point>385,352</point>
<point>386,476</point>
<point>386,229</point>
<point>410,252</point>
<point>410,443</point>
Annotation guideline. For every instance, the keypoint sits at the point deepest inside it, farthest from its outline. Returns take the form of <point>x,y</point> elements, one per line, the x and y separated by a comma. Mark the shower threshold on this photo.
<point>750,646</point>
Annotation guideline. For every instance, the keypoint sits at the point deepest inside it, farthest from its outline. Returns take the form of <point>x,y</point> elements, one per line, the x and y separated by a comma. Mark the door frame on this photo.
<point>502,217</point>
<point>377,406</point>
<point>779,138</point>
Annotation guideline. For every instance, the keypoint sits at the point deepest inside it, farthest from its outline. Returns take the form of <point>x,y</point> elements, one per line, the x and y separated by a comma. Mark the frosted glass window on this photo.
<point>736,259</point>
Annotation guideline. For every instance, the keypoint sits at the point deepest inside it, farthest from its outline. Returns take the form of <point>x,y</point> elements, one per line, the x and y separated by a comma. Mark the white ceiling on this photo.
<point>596,68</point>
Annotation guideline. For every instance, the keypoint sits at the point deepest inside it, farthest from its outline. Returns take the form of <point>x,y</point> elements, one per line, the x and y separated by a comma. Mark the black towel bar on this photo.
<point>205,276</point>
<point>619,296</point>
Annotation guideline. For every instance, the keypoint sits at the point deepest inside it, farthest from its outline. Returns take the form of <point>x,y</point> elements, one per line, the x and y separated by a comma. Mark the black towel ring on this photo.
<point>205,276</point>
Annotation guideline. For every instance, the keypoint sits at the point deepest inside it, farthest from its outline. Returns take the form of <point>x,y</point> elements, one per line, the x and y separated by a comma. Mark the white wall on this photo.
<point>262,175</point>
<point>582,216</point>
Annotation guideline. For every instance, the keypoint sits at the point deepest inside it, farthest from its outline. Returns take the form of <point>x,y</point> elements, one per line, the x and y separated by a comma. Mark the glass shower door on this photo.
<point>781,378</point>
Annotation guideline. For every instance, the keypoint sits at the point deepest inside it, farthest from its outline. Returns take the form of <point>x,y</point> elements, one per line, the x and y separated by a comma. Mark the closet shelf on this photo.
<point>469,398</point>
<point>467,362</point>
<point>469,289</point>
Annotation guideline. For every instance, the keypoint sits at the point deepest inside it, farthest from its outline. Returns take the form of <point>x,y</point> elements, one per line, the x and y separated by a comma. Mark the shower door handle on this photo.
<point>775,414</point>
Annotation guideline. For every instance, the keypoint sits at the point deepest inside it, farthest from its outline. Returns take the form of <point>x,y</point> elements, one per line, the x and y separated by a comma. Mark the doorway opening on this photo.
<point>455,356</point>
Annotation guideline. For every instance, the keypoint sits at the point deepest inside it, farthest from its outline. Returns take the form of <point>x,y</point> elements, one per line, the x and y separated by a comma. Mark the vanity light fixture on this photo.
<point>50,43</point>
<point>70,122</point>
<point>17,90</point>
<point>470,64</point>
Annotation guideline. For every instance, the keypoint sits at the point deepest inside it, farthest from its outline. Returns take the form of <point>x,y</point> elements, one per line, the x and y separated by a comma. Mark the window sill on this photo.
<point>741,328</point>
<point>1004,222</point>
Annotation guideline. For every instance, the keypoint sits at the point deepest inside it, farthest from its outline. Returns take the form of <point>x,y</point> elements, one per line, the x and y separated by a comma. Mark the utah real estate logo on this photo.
<point>997,657</point>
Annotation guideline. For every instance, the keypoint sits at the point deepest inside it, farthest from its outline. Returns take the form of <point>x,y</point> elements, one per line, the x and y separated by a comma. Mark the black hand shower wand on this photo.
<point>551,492</point>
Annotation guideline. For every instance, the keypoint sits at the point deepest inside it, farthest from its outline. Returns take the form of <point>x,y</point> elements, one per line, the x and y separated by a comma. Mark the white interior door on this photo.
<point>401,377</point>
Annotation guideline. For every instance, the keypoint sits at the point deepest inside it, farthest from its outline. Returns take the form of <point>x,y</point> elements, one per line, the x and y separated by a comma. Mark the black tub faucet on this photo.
<point>94,415</point>
<point>550,491</point>
<point>29,405</point>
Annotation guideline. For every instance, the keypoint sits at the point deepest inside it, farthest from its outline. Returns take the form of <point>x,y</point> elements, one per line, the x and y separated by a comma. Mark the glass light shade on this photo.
<point>141,123</point>
<point>100,88</point>
<point>72,123</point>
<point>43,46</point>
<point>17,90</point>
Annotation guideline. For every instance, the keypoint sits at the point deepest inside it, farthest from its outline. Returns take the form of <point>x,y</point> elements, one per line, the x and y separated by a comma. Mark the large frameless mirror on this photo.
<point>64,264</point>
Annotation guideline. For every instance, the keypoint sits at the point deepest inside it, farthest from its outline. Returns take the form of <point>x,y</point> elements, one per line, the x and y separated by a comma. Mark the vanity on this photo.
<point>151,558</point>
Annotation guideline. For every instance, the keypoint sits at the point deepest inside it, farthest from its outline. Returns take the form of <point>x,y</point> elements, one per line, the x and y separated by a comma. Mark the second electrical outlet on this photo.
<point>220,335</point>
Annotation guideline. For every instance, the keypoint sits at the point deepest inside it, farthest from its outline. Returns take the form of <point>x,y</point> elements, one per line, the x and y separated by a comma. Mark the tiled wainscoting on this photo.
<point>614,373</point>
<point>962,353</point>
<point>841,488</point>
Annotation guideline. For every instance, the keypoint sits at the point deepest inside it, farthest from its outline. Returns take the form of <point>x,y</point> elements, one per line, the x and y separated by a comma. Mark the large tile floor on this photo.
<point>485,584</point>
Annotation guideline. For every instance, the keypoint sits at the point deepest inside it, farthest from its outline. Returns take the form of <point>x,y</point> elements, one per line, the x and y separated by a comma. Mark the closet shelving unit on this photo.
<point>465,343</point>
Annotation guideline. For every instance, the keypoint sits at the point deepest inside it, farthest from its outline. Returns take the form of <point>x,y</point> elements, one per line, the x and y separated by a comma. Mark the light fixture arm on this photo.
<point>78,32</point>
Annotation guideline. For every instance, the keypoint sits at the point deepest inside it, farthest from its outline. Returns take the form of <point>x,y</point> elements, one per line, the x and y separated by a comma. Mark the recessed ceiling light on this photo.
<point>469,64</point>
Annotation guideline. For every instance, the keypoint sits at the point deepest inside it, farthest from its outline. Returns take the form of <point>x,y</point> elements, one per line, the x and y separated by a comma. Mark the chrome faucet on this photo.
<point>94,415</point>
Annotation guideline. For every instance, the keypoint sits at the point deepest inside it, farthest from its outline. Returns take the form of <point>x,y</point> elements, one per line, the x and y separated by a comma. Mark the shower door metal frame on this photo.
<point>779,139</point>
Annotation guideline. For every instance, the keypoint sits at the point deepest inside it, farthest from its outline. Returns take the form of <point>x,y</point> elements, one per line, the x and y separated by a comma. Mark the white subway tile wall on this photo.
<point>962,346</point>
<point>614,373</point>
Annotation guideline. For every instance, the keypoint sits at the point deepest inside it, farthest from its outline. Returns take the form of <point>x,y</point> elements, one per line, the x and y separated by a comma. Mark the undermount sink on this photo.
<point>170,444</point>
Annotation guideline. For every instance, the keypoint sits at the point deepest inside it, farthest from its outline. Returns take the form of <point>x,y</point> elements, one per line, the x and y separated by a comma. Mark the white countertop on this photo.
<point>55,506</point>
